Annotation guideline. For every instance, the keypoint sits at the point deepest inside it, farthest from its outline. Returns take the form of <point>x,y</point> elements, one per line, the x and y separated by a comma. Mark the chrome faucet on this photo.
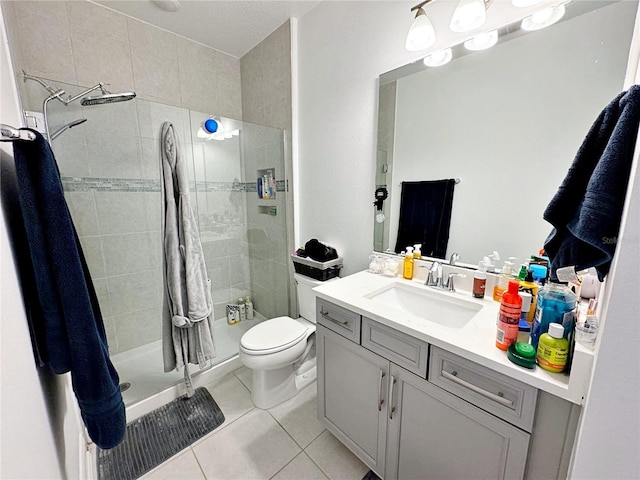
<point>454,258</point>
<point>449,285</point>
<point>434,279</point>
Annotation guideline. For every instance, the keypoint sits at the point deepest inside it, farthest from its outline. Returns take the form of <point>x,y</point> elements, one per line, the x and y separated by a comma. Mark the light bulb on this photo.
<point>482,41</point>
<point>421,33</point>
<point>468,15</point>
<point>439,58</point>
<point>543,18</point>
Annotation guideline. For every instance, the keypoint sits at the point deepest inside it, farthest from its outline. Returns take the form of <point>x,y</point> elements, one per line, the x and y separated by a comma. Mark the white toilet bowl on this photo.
<point>274,350</point>
<point>281,351</point>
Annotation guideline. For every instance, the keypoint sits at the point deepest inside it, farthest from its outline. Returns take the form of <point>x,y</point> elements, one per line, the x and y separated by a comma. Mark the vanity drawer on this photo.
<point>338,319</point>
<point>498,394</point>
<point>400,348</point>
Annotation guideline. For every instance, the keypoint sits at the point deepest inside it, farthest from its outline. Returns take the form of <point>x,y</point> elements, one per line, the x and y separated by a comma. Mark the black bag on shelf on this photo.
<point>320,252</point>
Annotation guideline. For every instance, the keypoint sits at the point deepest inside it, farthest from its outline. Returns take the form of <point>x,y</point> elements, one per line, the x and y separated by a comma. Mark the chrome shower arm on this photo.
<point>49,88</point>
<point>95,87</point>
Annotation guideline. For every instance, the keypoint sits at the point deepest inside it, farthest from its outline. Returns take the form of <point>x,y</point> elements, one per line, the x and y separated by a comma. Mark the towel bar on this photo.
<point>10,134</point>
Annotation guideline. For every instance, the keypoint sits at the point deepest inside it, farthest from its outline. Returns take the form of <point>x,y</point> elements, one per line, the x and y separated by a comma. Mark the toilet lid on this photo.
<point>275,334</point>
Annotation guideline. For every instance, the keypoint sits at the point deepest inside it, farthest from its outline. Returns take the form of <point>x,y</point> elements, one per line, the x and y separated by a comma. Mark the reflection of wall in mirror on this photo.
<point>384,156</point>
<point>508,121</point>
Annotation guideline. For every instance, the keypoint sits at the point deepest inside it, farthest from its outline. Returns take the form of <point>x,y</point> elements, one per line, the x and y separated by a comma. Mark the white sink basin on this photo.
<point>427,304</point>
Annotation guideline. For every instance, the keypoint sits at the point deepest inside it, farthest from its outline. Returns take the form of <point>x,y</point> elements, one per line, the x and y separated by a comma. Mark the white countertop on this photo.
<point>474,341</point>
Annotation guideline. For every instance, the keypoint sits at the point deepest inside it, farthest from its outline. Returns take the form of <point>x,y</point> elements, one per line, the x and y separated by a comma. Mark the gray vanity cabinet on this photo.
<point>352,384</point>
<point>410,410</point>
<point>434,434</point>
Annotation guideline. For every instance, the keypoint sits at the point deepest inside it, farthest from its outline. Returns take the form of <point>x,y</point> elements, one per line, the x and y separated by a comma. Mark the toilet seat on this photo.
<point>272,336</point>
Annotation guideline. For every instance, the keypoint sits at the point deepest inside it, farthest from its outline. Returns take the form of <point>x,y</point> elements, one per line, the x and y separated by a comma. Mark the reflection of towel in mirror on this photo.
<point>425,216</point>
<point>188,307</point>
<point>587,209</point>
<point>75,338</point>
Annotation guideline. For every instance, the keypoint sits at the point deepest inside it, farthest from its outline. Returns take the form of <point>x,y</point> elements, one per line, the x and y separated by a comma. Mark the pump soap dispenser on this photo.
<point>480,280</point>
<point>407,269</point>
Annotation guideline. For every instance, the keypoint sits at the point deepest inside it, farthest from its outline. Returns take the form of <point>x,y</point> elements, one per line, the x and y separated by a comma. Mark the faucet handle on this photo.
<point>449,286</point>
<point>455,256</point>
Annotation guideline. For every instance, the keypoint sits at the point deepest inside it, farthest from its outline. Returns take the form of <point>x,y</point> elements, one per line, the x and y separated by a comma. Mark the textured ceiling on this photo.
<point>231,26</point>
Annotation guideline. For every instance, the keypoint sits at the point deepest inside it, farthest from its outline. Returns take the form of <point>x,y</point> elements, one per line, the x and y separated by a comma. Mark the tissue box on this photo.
<point>317,270</point>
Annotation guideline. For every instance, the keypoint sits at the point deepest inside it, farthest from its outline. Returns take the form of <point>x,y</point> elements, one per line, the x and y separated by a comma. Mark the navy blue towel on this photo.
<point>587,209</point>
<point>425,216</point>
<point>75,338</point>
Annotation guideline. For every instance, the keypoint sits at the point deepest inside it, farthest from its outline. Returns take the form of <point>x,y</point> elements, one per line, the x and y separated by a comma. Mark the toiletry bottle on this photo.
<point>553,349</point>
<point>416,251</point>
<point>249,307</point>
<point>509,316</point>
<point>529,286</point>
<point>503,281</point>
<point>242,308</point>
<point>555,304</point>
<point>524,327</point>
<point>265,187</point>
<point>407,269</point>
<point>480,280</point>
<point>523,271</point>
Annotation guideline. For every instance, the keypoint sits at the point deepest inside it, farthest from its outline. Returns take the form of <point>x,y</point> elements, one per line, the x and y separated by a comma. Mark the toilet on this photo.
<point>281,351</point>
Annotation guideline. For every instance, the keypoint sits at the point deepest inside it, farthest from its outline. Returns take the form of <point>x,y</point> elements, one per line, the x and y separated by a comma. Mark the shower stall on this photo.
<point>109,161</point>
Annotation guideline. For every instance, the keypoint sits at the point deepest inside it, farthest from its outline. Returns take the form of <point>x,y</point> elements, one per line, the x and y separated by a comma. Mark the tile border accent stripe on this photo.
<point>86,184</point>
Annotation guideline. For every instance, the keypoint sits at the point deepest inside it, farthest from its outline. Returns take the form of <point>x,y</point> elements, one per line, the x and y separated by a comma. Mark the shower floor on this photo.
<point>143,368</point>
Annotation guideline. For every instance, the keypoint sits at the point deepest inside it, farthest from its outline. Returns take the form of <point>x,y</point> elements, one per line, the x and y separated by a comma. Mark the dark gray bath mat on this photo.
<point>158,435</point>
<point>370,475</point>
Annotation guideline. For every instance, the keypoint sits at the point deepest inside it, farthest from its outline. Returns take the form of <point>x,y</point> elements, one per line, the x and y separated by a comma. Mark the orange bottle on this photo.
<point>509,316</point>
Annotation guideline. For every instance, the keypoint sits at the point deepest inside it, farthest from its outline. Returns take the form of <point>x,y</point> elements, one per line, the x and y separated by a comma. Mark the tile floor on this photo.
<point>286,442</point>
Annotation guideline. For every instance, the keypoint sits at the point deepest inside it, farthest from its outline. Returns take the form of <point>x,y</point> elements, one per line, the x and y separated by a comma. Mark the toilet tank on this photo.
<point>306,297</point>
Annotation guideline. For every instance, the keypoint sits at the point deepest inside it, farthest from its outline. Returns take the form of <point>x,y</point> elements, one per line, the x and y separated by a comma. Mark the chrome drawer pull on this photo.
<point>380,399</point>
<point>392,409</point>
<point>331,319</point>
<point>496,398</point>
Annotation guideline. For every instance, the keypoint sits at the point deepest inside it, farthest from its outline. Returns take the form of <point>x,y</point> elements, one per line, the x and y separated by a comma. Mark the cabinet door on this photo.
<point>433,434</point>
<point>352,392</point>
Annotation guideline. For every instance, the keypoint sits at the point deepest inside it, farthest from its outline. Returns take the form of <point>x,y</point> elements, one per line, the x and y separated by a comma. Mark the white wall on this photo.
<point>343,47</point>
<point>27,438</point>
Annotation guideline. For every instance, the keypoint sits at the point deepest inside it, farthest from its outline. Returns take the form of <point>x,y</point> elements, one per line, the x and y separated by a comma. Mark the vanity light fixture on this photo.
<point>421,33</point>
<point>543,18</point>
<point>469,15</point>
<point>439,58</point>
<point>482,41</point>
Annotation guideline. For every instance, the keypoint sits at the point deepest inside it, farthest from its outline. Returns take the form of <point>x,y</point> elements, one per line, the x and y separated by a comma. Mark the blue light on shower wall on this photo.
<point>210,125</point>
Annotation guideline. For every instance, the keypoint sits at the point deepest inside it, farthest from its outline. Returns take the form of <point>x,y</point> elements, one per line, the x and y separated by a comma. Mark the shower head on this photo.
<point>59,131</point>
<point>107,98</point>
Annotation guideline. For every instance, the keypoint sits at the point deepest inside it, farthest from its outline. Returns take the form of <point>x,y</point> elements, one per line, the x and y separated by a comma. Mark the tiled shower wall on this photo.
<point>83,43</point>
<point>266,100</point>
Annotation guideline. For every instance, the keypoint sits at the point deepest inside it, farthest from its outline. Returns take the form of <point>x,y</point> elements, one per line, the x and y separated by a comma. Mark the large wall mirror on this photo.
<point>507,122</point>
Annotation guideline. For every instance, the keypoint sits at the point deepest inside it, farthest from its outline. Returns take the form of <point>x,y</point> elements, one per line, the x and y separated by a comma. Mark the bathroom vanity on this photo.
<point>410,380</point>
